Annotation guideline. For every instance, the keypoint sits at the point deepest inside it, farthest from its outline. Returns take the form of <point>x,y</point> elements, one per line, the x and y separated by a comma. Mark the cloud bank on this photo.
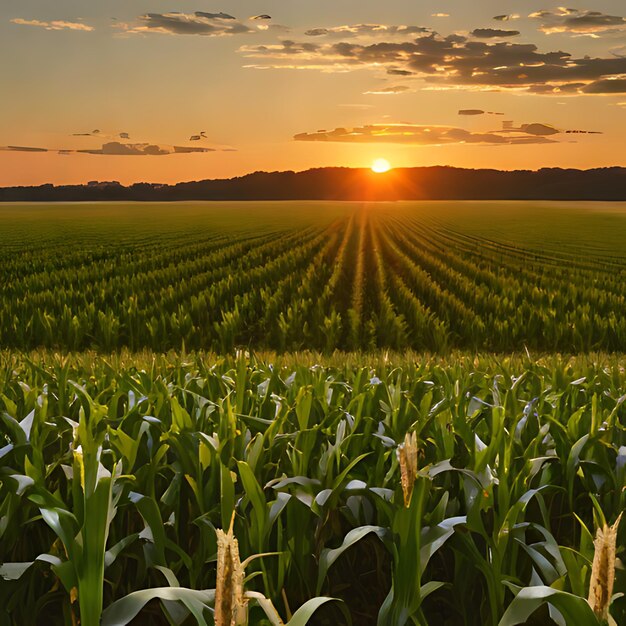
<point>419,135</point>
<point>453,62</point>
<point>578,22</point>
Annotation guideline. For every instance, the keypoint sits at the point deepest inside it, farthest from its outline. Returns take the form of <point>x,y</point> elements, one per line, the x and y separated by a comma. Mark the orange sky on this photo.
<point>379,81</point>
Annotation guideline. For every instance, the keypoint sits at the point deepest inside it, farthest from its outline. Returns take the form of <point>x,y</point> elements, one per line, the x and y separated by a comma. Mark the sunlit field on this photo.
<point>405,413</point>
<point>320,276</point>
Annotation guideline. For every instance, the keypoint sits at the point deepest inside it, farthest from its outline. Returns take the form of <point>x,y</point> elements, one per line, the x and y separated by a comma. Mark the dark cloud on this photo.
<point>506,17</point>
<point>477,112</point>
<point>422,135</point>
<point>198,23</point>
<point>317,32</point>
<point>454,62</point>
<point>616,85</point>
<point>492,33</point>
<point>22,149</point>
<point>564,20</point>
<point>396,72</point>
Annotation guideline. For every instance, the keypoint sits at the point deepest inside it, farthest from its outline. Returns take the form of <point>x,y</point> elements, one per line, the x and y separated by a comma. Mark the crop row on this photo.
<point>367,277</point>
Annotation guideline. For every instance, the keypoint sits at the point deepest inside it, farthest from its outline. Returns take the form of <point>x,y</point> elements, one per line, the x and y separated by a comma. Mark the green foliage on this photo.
<point>115,473</point>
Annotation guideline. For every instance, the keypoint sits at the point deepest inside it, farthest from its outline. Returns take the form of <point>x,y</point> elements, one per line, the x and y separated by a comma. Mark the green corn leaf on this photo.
<point>575,610</point>
<point>124,610</point>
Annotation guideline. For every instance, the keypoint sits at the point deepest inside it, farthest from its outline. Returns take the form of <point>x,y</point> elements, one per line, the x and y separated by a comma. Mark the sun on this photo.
<point>380,166</point>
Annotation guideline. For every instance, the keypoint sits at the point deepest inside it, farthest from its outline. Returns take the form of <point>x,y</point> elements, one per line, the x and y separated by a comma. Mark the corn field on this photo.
<point>356,489</point>
<point>316,276</point>
<point>312,413</point>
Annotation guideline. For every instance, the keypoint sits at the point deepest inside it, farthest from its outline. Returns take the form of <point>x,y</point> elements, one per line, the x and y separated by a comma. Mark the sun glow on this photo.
<point>380,166</point>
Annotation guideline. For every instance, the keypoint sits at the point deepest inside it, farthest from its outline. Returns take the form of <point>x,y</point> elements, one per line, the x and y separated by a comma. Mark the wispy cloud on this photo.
<point>388,91</point>
<point>116,148</point>
<point>53,25</point>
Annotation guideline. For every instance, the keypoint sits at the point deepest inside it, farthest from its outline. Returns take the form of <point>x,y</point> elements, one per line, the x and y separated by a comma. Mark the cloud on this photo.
<point>491,33</point>
<point>575,21</point>
<point>22,149</point>
<point>115,148</point>
<point>397,72</point>
<point>440,15</point>
<point>506,18</point>
<point>388,91</point>
<point>420,135</point>
<point>477,112</point>
<point>53,25</point>
<point>198,23</point>
<point>367,30</point>
<point>606,86</point>
<point>453,62</point>
<point>538,129</point>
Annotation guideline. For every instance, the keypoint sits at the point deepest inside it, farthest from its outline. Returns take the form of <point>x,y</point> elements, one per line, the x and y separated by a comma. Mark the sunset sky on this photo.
<point>305,84</point>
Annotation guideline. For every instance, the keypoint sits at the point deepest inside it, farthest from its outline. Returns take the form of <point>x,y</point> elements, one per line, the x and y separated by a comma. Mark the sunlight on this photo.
<point>380,166</point>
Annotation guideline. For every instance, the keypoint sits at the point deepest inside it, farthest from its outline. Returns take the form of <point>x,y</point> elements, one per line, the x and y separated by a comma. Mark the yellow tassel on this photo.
<point>603,570</point>
<point>407,456</point>
<point>231,606</point>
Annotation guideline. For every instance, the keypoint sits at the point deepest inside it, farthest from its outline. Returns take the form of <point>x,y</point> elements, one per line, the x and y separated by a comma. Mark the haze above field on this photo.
<point>166,91</point>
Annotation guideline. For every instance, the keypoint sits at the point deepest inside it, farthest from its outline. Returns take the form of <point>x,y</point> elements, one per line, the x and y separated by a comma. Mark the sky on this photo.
<point>177,90</point>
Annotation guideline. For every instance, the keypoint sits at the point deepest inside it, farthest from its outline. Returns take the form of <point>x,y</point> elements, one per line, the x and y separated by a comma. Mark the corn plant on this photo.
<point>465,488</point>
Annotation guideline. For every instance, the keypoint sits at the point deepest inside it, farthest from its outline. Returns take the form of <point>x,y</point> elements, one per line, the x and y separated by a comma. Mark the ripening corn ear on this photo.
<point>603,570</point>
<point>231,607</point>
<point>407,456</point>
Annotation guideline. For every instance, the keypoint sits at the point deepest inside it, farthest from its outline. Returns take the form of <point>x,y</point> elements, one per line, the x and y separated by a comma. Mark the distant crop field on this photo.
<point>429,276</point>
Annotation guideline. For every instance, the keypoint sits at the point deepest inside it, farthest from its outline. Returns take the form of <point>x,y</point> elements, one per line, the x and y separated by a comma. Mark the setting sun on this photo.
<point>380,166</point>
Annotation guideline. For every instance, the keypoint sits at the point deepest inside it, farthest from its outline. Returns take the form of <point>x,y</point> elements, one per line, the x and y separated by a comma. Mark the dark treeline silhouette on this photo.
<point>423,183</point>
